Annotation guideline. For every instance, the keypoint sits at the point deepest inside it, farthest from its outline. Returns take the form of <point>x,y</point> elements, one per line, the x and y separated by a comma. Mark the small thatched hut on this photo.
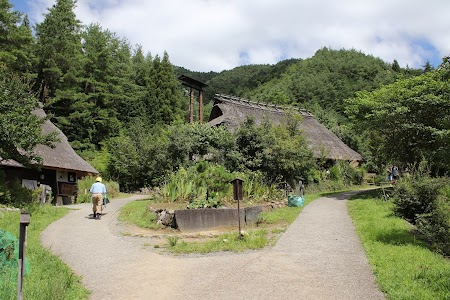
<point>233,111</point>
<point>61,166</point>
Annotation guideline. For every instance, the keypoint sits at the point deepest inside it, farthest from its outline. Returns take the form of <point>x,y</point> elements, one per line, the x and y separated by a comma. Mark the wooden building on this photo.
<point>61,167</point>
<point>233,111</point>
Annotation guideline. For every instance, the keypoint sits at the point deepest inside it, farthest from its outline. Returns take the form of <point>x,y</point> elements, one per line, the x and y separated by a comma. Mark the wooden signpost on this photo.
<point>238,195</point>
<point>24,222</point>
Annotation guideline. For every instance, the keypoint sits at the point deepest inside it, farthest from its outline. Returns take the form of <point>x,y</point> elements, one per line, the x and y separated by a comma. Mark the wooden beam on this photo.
<point>191,107</point>
<point>200,108</point>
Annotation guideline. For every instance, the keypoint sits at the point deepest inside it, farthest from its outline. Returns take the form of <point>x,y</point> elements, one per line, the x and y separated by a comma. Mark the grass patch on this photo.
<point>136,213</point>
<point>285,215</point>
<point>404,265</point>
<point>50,278</point>
<point>256,239</point>
<point>123,195</point>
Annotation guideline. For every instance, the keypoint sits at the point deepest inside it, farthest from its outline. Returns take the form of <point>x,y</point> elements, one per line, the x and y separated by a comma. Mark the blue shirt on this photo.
<point>98,188</point>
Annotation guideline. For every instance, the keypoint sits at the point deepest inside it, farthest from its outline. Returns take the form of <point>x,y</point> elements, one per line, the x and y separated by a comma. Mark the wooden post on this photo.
<point>194,85</point>
<point>24,221</point>
<point>191,107</point>
<point>238,195</point>
<point>200,108</point>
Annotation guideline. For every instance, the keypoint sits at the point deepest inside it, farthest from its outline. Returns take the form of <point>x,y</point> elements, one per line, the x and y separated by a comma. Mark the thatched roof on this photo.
<point>62,156</point>
<point>233,111</point>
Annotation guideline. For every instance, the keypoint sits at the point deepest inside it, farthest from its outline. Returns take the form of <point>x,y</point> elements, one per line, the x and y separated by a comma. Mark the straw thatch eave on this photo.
<point>61,157</point>
<point>233,111</point>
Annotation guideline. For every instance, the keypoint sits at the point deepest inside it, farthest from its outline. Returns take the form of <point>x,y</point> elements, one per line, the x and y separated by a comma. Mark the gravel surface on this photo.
<point>318,257</point>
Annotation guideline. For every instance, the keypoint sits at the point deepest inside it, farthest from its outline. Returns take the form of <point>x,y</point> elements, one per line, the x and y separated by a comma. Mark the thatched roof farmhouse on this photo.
<point>233,111</point>
<point>61,166</point>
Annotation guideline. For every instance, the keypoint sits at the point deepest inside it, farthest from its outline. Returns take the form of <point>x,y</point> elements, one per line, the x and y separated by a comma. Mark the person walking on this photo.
<point>395,175</point>
<point>97,191</point>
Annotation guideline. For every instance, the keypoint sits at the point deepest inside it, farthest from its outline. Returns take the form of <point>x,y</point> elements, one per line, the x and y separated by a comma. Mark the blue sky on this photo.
<point>214,35</point>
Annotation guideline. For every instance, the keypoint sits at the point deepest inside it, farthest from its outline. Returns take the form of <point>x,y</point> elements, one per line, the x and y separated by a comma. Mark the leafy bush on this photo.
<point>379,178</point>
<point>279,152</point>
<point>5,194</point>
<point>425,202</point>
<point>14,194</point>
<point>416,196</point>
<point>343,171</point>
<point>436,225</point>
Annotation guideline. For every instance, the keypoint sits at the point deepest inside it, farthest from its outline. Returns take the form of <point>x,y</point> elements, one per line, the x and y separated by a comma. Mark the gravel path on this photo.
<point>318,257</point>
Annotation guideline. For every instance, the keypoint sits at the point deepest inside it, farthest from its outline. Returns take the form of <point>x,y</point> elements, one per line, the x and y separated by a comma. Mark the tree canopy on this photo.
<point>20,129</point>
<point>406,121</point>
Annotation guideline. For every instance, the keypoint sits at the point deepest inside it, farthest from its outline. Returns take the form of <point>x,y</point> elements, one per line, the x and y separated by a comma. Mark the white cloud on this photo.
<point>209,35</point>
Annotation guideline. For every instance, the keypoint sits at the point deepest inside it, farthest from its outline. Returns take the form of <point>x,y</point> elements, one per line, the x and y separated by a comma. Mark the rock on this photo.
<point>166,218</point>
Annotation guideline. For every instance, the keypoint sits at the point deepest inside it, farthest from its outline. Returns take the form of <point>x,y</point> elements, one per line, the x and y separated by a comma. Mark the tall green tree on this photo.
<point>20,129</point>
<point>16,40</point>
<point>105,90</point>
<point>406,121</point>
<point>396,66</point>
<point>58,51</point>
<point>141,107</point>
<point>164,100</point>
<point>427,67</point>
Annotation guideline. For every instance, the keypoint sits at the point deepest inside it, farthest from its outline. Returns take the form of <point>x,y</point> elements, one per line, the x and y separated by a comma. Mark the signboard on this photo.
<point>67,189</point>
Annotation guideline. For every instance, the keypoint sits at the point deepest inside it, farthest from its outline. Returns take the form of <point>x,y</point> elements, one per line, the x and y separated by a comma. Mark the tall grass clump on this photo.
<point>256,189</point>
<point>201,185</point>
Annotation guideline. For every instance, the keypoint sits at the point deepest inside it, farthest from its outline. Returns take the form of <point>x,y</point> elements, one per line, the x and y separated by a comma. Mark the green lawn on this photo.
<point>50,278</point>
<point>404,266</point>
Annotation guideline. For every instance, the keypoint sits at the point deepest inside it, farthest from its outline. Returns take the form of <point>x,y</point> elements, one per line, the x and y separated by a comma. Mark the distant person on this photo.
<point>395,173</point>
<point>97,191</point>
<point>389,173</point>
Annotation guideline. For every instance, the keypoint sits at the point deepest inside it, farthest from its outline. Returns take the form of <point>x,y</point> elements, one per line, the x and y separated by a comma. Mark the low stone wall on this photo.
<point>207,218</point>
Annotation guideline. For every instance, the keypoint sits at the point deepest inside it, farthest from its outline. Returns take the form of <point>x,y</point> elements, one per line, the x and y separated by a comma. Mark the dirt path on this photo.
<point>319,257</point>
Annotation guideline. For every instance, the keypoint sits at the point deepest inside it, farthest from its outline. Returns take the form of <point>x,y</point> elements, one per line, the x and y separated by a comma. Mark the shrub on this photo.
<point>379,178</point>
<point>14,194</point>
<point>5,194</point>
<point>343,171</point>
<point>436,225</point>
<point>425,202</point>
<point>416,196</point>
